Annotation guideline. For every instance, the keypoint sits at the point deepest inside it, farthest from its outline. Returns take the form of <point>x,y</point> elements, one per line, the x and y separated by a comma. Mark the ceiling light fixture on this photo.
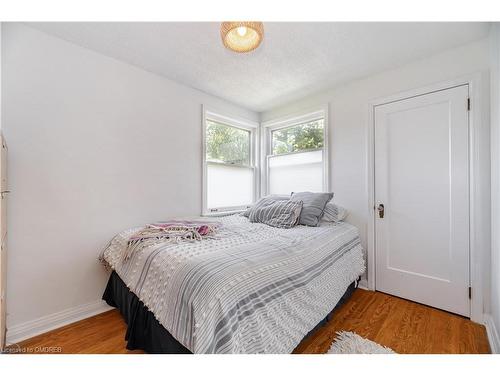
<point>242,36</point>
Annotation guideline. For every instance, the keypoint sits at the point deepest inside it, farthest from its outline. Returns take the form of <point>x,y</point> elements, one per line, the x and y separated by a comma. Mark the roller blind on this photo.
<point>301,171</point>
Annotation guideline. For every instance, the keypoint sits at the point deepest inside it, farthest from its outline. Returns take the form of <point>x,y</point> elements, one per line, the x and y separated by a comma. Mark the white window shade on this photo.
<point>296,172</point>
<point>229,186</point>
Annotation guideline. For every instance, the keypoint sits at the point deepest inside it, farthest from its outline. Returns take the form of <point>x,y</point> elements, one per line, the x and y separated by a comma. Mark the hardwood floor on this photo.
<point>404,326</point>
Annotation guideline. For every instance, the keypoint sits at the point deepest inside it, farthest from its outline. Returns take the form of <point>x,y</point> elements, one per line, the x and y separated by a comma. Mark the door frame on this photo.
<point>479,189</point>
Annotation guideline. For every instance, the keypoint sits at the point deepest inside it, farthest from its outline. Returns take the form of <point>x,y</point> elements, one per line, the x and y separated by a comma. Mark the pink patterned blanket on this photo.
<point>171,231</point>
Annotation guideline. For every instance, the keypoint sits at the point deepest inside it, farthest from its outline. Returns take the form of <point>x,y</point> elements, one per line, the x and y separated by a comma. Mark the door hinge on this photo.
<point>470,293</point>
<point>468,104</point>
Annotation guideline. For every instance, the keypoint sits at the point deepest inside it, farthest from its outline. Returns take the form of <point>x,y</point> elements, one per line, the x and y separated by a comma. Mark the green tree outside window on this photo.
<point>227,144</point>
<point>303,137</point>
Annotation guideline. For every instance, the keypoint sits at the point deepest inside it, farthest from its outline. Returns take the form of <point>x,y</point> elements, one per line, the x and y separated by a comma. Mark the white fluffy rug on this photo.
<point>351,343</point>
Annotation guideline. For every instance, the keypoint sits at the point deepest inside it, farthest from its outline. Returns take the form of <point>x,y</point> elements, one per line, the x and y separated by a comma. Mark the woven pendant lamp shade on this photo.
<point>241,36</point>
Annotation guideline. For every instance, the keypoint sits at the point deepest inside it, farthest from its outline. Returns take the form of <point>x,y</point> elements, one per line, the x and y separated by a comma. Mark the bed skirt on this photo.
<point>146,333</point>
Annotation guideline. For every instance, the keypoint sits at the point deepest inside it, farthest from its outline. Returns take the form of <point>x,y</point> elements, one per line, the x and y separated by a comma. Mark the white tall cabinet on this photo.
<point>3,236</point>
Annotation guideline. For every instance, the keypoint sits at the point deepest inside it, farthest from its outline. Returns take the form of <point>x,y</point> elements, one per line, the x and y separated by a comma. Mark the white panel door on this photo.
<point>421,179</point>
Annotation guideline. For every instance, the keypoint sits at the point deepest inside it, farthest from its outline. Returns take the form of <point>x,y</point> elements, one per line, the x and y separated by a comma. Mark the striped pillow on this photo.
<point>333,212</point>
<point>270,199</point>
<point>280,214</point>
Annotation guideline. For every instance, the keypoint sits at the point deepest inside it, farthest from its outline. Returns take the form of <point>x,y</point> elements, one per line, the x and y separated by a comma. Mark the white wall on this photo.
<point>349,116</point>
<point>495,181</point>
<point>95,146</point>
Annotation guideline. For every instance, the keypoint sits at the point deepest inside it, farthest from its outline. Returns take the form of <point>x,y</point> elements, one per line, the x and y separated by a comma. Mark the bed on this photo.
<point>251,289</point>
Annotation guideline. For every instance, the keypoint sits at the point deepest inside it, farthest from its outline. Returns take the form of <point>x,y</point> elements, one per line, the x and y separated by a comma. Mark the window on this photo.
<point>296,154</point>
<point>227,144</point>
<point>229,164</point>
<point>297,138</point>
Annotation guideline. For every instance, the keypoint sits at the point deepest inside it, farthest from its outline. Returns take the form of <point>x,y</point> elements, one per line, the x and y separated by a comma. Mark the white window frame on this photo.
<point>253,128</point>
<point>284,122</point>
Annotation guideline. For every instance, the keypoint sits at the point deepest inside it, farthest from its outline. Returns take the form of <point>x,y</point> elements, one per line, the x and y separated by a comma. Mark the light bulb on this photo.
<point>242,30</point>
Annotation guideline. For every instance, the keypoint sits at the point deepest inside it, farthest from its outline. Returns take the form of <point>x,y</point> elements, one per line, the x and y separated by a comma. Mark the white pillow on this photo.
<point>334,212</point>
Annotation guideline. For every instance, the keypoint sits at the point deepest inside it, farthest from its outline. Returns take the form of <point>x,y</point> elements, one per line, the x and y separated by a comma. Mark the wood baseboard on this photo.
<point>23,331</point>
<point>493,334</point>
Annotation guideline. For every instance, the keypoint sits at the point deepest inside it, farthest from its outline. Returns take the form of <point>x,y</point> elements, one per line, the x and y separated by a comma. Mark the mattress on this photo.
<point>251,289</point>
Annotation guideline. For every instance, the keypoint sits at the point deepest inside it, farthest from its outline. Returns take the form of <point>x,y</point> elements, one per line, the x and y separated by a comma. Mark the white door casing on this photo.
<point>422,179</point>
<point>3,240</point>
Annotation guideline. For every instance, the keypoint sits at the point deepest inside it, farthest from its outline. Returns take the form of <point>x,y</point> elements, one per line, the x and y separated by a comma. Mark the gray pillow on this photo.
<point>280,214</point>
<point>334,213</point>
<point>265,202</point>
<point>313,206</point>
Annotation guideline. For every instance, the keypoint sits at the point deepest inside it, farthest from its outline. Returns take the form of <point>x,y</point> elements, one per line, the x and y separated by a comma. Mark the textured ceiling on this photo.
<point>295,59</point>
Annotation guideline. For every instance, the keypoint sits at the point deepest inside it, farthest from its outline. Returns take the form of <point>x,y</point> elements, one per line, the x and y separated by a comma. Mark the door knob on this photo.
<point>380,210</point>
